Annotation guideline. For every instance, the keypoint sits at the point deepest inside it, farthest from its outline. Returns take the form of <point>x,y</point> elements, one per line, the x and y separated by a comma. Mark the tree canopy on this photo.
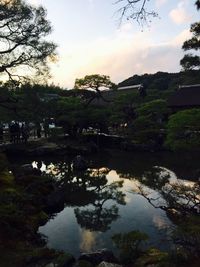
<point>183,130</point>
<point>23,29</point>
<point>198,4</point>
<point>190,61</point>
<point>94,82</point>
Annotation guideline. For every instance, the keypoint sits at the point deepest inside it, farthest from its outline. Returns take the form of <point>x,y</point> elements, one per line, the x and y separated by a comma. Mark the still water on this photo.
<point>105,199</point>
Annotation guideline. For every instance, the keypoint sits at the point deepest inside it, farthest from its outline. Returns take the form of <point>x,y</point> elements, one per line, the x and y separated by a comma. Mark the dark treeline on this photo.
<point>144,118</point>
<point>164,80</point>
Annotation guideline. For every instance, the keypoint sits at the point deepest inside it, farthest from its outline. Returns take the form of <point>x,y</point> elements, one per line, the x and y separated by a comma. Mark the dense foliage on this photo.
<point>184,130</point>
<point>95,82</point>
<point>143,120</point>
<point>23,29</point>
<point>190,61</point>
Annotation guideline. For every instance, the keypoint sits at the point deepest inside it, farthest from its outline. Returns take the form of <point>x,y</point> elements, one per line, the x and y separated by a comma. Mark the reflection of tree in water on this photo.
<point>182,197</point>
<point>73,184</point>
<point>99,217</point>
<point>89,187</point>
<point>166,192</point>
<point>181,201</point>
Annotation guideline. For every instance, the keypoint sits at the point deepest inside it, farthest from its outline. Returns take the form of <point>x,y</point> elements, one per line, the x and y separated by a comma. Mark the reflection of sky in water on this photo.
<point>41,166</point>
<point>64,233</point>
<point>173,177</point>
<point>88,240</point>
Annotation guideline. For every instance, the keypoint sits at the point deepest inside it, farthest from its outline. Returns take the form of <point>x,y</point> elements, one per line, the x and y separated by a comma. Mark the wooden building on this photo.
<point>185,97</point>
<point>108,96</point>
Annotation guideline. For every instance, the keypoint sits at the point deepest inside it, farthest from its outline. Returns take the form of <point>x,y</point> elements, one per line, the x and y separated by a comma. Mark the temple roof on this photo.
<point>186,96</point>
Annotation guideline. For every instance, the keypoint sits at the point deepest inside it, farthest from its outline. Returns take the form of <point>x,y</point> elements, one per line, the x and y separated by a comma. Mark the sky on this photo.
<point>91,40</point>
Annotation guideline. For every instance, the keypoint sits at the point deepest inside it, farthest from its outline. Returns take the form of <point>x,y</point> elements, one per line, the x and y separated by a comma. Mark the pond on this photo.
<point>105,199</point>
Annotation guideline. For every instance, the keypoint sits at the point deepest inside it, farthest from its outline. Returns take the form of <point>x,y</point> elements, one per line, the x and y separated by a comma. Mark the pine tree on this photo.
<point>23,44</point>
<point>190,61</point>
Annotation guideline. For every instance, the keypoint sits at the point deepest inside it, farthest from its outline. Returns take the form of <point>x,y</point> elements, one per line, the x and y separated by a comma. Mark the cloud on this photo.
<point>91,4</point>
<point>160,222</point>
<point>179,14</point>
<point>35,2</point>
<point>183,36</point>
<point>160,3</point>
<point>119,56</point>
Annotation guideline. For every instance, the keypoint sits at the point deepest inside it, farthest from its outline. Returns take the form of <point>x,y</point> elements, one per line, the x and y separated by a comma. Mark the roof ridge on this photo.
<point>189,85</point>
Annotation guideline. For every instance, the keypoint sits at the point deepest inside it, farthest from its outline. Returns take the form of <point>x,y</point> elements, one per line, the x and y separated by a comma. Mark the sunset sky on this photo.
<point>90,39</point>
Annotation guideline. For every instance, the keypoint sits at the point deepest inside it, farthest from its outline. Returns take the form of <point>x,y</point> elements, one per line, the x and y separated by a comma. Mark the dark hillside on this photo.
<point>164,80</point>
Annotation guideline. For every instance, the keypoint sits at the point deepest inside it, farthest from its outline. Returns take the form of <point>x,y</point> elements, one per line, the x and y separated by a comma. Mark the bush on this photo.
<point>183,130</point>
<point>129,245</point>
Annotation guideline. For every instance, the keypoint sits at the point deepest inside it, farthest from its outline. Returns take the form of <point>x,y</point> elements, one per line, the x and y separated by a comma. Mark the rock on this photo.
<point>48,148</point>
<point>39,257</point>
<point>50,265</point>
<point>152,258</point>
<point>65,260</point>
<point>99,256</point>
<point>27,169</point>
<point>83,263</point>
<point>108,264</point>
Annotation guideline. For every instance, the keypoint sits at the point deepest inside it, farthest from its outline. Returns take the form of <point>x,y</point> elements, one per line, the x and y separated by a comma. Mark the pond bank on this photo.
<point>45,147</point>
<point>84,144</point>
<point>38,197</point>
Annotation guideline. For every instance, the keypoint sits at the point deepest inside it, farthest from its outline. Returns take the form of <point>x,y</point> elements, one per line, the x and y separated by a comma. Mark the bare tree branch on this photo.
<point>135,10</point>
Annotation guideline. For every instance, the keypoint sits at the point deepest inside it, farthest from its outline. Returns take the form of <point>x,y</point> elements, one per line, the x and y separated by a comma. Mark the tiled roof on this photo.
<point>185,96</point>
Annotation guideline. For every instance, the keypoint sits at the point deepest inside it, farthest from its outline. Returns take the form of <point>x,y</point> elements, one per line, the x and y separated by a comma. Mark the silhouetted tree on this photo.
<point>23,29</point>
<point>190,61</point>
<point>94,82</point>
